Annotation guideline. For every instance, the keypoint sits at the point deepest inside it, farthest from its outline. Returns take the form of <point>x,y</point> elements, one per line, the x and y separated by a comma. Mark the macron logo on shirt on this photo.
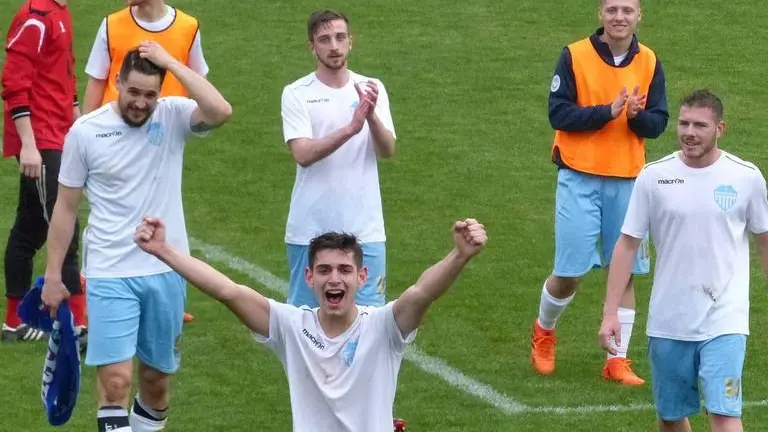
<point>111,134</point>
<point>319,345</point>
<point>671,181</point>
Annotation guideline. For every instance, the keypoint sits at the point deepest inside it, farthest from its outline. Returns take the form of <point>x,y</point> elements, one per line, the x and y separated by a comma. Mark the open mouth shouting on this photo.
<point>334,296</point>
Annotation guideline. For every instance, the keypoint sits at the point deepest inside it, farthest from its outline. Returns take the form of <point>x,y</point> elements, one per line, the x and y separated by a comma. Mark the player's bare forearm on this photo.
<point>94,93</point>
<point>383,139</point>
<point>308,151</point>
<point>248,305</point>
<point>24,129</point>
<point>619,272</point>
<point>214,108</point>
<point>61,230</point>
<point>762,246</point>
<point>410,307</point>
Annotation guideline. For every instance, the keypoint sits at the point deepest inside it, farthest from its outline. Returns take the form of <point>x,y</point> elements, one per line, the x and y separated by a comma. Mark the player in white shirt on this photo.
<point>336,124</point>
<point>149,15</point>
<point>127,156</point>
<point>341,359</point>
<point>699,205</point>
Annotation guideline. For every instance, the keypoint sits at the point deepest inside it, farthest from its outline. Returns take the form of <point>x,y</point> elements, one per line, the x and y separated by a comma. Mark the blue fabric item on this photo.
<point>61,372</point>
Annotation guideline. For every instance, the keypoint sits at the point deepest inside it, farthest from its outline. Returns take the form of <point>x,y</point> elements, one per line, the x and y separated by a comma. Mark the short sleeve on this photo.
<point>196,60</point>
<point>73,171</point>
<point>98,60</point>
<point>382,109</point>
<point>296,121</point>
<point>181,109</point>
<point>757,208</point>
<point>638,219</point>
<point>279,319</point>
<point>395,335</point>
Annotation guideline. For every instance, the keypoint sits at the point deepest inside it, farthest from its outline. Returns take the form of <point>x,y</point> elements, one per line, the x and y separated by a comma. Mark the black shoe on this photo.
<point>22,333</point>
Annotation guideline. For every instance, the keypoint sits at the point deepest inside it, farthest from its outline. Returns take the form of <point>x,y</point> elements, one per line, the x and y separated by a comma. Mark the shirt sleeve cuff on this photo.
<point>19,112</point>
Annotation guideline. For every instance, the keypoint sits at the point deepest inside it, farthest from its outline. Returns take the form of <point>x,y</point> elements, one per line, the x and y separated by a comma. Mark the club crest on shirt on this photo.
<point>725,197</point>
<point>348,355</point>
<point>154,134</point>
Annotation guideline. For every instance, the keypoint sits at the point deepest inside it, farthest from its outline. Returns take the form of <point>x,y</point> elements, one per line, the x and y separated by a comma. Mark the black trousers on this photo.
<point>30,231</point>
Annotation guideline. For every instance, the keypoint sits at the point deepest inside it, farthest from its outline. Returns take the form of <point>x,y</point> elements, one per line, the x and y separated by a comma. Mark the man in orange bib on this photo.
<point>607,96</point>
<point>122,31</point>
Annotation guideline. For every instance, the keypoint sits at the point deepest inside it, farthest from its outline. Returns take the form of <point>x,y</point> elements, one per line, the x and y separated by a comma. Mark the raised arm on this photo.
<point>409,309</point>
<point>212,109</point>
<point>248,305</point>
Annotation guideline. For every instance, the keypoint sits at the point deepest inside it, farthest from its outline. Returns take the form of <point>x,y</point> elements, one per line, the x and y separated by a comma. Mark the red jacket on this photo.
<point>39,75</point>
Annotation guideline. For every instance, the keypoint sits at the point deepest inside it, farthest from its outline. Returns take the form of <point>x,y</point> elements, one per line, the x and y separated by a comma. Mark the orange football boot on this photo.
<point>543,349</point>
<point>618,369</point>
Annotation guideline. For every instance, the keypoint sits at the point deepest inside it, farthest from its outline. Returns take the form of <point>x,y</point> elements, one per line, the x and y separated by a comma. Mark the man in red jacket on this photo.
<point>40,104</point>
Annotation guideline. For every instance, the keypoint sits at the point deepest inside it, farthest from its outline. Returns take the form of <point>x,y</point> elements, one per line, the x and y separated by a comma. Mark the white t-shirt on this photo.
<point>340,192</point>
<point>346,383</point>
<point>128,173</point>
<point>699,221</point>
<point>99,60</point>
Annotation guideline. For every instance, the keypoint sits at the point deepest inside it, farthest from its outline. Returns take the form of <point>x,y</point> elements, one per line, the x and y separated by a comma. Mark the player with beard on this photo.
<point>128,157</point>
<point>177,31</point>
<point>336,123</point>
<point>699,204</point>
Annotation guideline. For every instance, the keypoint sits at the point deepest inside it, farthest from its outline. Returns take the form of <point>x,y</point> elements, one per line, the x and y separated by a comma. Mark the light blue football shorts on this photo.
<point>140,316</point>
<point>591,209</point>
<point>680,370</point>
<point>373,293</point>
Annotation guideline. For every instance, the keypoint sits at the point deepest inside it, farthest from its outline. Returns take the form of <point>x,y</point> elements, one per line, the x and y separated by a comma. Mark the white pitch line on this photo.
<point>423,361</point>
<point>592,409</point>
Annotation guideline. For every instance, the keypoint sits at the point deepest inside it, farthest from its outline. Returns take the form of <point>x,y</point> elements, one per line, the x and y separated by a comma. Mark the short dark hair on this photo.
<point>134,62</point>
<point>321,18</point>
<point>704,98</point>
<point>335,241</point>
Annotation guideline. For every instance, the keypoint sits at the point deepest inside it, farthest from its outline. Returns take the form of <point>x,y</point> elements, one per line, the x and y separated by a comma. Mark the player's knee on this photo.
<point>154,384</point>
<point>115,383</point>
<point>674,425</point>
<point>562,287</point>
<point>721,423</point>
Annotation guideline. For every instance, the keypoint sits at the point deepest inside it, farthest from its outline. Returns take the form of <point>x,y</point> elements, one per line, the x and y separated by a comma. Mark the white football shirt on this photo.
<point>346,383</point>
<point>128,173</point>
<point>340,192</point>
<point>699,220</point>
<point>99,59</point>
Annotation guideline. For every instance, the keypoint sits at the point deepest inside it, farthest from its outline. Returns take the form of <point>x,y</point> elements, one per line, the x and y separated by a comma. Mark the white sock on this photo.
<point>627,320</point>
<point>142,423</point>
<point>113,419</point>
<point>550,308</point>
